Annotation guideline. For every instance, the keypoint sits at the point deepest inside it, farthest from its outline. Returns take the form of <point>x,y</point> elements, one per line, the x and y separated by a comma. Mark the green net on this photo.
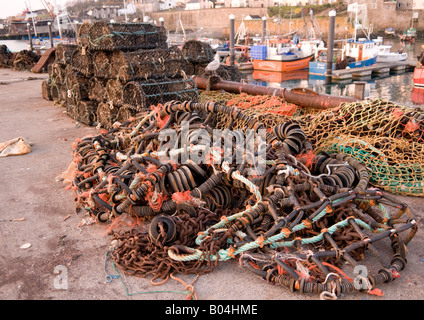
<point>386,137</point>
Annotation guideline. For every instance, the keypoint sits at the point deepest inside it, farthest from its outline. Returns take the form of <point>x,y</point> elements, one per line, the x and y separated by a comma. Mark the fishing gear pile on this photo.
<point>115,71</point>
<point>22,60</point>
<point>210,194</point>
<point>387,138</point>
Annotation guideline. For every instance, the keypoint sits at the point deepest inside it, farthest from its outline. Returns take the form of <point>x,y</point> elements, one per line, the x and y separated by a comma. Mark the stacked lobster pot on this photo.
<point>115,71</point>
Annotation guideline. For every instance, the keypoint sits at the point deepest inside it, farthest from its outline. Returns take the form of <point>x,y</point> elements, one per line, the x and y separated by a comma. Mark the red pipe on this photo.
<point>301,97</point>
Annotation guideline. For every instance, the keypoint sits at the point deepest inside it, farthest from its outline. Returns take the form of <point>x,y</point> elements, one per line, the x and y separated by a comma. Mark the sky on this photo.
<point>13,7</point>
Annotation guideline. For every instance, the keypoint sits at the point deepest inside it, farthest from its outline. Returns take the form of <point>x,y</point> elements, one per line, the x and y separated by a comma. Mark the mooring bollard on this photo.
<point>50,34</point>
<point>30,37</point>
<point>232,18</point>
<point>330,46</point>
<point>359,90</point>
<point>162,22</point>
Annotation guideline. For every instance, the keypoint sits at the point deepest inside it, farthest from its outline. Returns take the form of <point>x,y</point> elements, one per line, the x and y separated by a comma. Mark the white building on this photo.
<point>418,5</point>
<point>304,2</point>
<point>166,4</point>
<point>198,4</point>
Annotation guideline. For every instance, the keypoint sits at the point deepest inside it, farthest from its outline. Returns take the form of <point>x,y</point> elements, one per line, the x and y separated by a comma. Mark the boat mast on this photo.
<point>304,20</point>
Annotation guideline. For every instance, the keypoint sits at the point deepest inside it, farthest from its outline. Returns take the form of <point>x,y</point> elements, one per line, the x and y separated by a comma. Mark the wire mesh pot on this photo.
<point>82,61</point>
<point>86,112</point>
<point>77,85</point>
<point>197,51</point>
<point>143,94</point>
<point>82,34</point>
<point>114,91</point>
<point>106,114</point>
<point>125,36</point>
<point>63,53</point>
<point>102,65</point>
<point>97,89</point>
<point>144,64</point>
<point>124,113</point>
<point>46,90</point>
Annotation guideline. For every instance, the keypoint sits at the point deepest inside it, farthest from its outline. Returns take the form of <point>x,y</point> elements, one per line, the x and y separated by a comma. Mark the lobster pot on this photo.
<point>86,112</point>
<point>143,94</point>
<point>46,90</point>
<point>144,64</point>
<point>102,64</point>
<point>55,92</point>
<point>122,36</point>
<point>106,114</point>
<point>77,85</point>
<point>58,73</point>
<point>64,53</point>
<point>115,91</point>
<point>82,61</point>
<point>71,108</point>
<point>124,113</point>
<point>82,34</point>
<point>229,73</point>
<point>197,51</point>
<point>190,68</point>
<point>97,89</point>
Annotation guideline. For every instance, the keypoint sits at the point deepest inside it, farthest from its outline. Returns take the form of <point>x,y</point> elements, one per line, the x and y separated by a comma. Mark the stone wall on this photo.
<point>215,22</point>
<point>387,16</point>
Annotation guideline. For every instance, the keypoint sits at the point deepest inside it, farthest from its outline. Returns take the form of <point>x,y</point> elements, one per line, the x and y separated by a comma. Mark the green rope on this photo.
<point>111,277</point>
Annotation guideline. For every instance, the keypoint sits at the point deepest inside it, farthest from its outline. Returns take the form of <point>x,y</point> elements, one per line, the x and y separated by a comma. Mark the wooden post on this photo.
<point>50,34</point>
<point>330,47</point>
<point>232,55</point>
<point>30,37</point>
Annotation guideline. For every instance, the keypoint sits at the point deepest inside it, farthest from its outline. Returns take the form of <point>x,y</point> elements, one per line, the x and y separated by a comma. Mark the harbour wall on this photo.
<point>215,22</point>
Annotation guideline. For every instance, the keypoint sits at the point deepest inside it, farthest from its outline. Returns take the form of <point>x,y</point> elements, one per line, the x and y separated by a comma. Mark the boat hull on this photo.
<point>395,57</point>
<point>418,77</point>
<point>417,95</point>
<point>282,66</point>
<point>278,77</point>
<point>320,68</point>
<point>245,66</point>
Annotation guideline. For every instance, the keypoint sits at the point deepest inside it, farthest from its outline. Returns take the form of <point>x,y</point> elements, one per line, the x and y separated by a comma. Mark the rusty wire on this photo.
<point>293,224</point>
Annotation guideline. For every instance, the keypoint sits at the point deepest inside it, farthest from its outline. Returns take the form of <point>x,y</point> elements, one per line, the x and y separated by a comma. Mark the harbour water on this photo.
<point>397,88</point>
<point>15,45</point>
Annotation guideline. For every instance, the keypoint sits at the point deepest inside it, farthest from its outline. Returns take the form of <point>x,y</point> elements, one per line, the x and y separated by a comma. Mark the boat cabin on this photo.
<point>361,49</point>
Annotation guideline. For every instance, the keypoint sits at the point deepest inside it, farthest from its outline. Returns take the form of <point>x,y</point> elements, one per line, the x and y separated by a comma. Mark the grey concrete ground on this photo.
<point>61,248</point>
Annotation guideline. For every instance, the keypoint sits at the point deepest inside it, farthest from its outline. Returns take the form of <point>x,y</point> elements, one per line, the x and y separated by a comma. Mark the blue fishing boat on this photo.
<point>354,54</point>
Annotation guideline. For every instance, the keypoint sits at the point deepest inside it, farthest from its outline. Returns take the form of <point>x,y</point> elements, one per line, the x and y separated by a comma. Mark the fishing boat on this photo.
<point>385,55</point>
<point>409,35</point>
<point>417,95</point>
<point>278,77</point>
<point>418,76</point>
<point>354,54</point>
<point>280,55</point>
<point>390,31</point>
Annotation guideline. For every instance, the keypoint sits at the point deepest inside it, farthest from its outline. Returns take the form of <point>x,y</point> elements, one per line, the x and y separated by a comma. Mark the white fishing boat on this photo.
<point>386,55</point>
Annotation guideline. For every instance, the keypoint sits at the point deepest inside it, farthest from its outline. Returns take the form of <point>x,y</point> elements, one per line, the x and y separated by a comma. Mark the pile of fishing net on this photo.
<point>115,71</point>
<point>6,57</point>
<point>209,193</point>
<point>387,138</point>
<point>22,60</point>
<point>25,60</point>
